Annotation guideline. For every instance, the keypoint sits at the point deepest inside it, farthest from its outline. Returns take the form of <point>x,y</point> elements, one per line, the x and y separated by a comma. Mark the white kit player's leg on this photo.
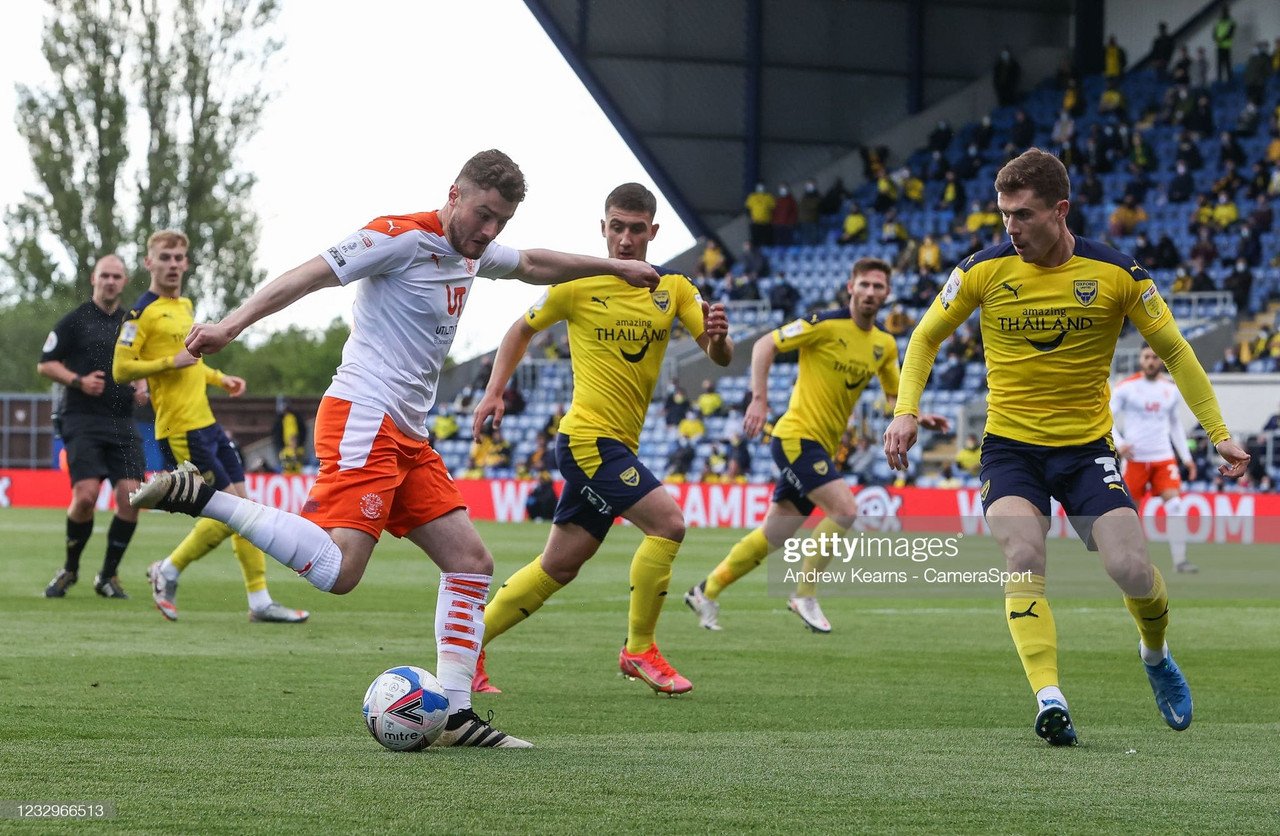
<point>295,541</point>
<point>1176,526</point>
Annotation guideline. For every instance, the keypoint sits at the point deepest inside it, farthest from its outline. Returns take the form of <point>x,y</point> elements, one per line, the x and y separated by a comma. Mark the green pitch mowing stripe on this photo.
<point>912,716</point>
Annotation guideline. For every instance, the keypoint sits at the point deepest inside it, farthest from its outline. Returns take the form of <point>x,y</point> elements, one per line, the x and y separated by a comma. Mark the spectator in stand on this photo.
<point>1113,102</point>
<point>1090,187</point>
<point>753,265</point>
<point>1141,153</point>
<point>929,257</point>
<point>513,399</point>
<point>950,373</point>
<point>892,231</point>
<point>1138,184</point>
<point>1200,119</point>
<point>947,478</point>
<point>952,197</point>
<point>1073,98</point>
<point>444,427</point>
<point>875,160</point>
<point>289,439</point>
<point>898,322</point>
<point>1182,185</point>
<point>886,192</point>
<point>541,502</point>
<point>676,406</point>
<point>807,214</point>
<point>832,202</point>
<point>912,186</point>
<point>1273,147</point>
<point>1202,214</point>
<point>1180,70</point>
<point>969,456</point>
<point>1126,217</point>
<point>1259,180</point>
<point>739,459</point>
<point>923,292</point>
<point>861,461</point>
<point>1023,131</point>
<point>760,205</point>
<point>783,296</point>
<point>1167,256</point>
<point>499,458</point>
<point>855,230</point>
<point>1240,285</point>
<point>1181,281</point>
<point>552,427</point>
<point>1162,52</point>
<point>1188,152</point>
<point>1248,248</point>
<point>1262,219</point>
<point>691,426</point>
<point>1230,150</point>
<point>786,214</point>
<point>970,162</point>
<point>984,133</point>
<point>1204,250</point>
<point>710,402</point>
<point>680,462</point>
<point>1114,60</point>
<point>1225,212</point>
<point>1063,133</point>
<point>1230,181</point>
<point>1230,361</point>
<point>908,257</point>
<point>940,137</point>
<point>1201,281</point>
<point>713,261</point>
<point>1144,252</point>
<point>982,219</point>
<point>1006,77</point>
<point>1248,121</point>
<point>937,167</point>
<point>542,457</point>
<point>1200,69</point>
<point>1224,32</point>
<point>1263,345</point>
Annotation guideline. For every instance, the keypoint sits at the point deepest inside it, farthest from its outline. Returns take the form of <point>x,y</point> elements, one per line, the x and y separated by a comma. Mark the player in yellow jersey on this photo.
<point>618,336</point>
<point>150,345</point>
<point>1052,306</point>
<point>840,351</point>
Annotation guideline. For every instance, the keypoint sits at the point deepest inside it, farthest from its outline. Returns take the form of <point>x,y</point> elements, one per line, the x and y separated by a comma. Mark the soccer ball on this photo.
<point>405,708</point>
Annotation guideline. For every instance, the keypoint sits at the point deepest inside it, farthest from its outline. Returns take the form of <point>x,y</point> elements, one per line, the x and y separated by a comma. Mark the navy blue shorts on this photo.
<point>210,450</point>
<point>803,466</point>
<point>1085,478</point>
<point>602,479</point>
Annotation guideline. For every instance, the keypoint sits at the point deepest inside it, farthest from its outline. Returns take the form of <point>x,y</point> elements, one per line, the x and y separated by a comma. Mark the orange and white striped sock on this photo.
<point>459,633</point>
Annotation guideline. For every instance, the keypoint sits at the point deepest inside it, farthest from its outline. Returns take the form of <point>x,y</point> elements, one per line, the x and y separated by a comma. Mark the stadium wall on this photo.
<point>1212,517</point>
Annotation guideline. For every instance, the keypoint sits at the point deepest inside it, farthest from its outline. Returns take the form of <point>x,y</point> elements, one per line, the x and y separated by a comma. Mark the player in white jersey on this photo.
<point>378,472</point>
<point>1146,405</point>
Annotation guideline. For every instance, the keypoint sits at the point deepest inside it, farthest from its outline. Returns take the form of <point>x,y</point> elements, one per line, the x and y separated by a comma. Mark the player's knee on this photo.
<point>670,527</point>
<point>473,560</point>
<point>1024,555</point>
<point>1131,572</point>
<point>83,500</point>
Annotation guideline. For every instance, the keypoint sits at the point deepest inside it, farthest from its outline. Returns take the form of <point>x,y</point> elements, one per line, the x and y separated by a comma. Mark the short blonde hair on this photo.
<point>167,238</point>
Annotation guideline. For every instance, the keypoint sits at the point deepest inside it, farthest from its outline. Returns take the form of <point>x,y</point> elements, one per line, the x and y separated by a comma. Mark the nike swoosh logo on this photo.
<point>1050,345</point>
<point>1158,617</point>
<point>1177,718</point>
<point>638,356</point>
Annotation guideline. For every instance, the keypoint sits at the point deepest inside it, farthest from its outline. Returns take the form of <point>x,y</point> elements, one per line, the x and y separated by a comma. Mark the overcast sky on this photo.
<point>375,114</point>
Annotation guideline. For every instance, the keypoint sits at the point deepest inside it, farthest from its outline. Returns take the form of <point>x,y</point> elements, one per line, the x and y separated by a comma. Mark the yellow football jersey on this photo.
<point>837,360</point>
<point>154,330</point>
<point>1049,335</point>
<point>618,335</point>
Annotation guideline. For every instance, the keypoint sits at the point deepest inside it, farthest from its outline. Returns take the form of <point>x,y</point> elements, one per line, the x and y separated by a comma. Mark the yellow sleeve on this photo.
<point>1188,374</point>
<point>127,364</point>
<point>795,334</point>
<point>959,298</point>
<point>888,371</point>
<point>689,307</point>
<point>554,306</point>
<point>212,376</point>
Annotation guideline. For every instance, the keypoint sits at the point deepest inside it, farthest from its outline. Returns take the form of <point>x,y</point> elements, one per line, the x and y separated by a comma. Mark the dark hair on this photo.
<point>1041,172</point>
<point>632,197</point>
<point>493,169</point>
<point>866,265</point>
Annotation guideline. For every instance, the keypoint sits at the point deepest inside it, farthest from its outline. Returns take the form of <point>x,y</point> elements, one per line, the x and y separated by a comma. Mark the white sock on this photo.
<point>1047,693</point>
<point>259,600</point>
<point>459,633</point>
<point>1176,528</point>
<point>295,541</point>
<point>1153,657</point>
<point>169,571</point>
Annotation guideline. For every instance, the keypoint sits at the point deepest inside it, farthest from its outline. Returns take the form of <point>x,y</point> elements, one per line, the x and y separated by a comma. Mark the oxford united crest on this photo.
<point>1086,291</point>
<point>630,477</point>
<point>661,299</point>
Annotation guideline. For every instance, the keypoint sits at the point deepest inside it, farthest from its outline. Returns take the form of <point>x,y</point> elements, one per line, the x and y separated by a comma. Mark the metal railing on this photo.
<point>26,430</point>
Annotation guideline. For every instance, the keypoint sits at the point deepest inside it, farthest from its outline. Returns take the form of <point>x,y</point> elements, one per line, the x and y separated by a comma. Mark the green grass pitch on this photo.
<point>912,716</point>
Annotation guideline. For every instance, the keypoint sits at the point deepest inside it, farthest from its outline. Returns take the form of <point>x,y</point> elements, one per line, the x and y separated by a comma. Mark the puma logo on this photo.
<point>1011,288</point>
<point>1027,613</point>
<point>604,303</point>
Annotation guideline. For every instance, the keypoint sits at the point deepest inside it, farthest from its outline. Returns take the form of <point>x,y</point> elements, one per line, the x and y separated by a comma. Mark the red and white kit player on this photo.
<point>378,472</point>
<point>1146,405</point>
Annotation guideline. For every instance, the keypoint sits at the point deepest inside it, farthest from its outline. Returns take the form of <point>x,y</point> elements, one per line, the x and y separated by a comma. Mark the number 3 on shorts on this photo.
<point>1112,470</point>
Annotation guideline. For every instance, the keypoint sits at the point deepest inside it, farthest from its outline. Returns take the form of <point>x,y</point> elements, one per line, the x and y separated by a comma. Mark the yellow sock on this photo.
<point>1034,633</point>
<point>820,560</point>
<point>253,564</point>
<point>650,576</point>
<point>518,598</point>
<point>206,535</point>
<point>1152,612</point>
<point>746,555</point>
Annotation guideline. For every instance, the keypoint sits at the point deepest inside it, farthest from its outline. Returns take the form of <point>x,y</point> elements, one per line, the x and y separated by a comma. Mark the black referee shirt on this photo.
<point>84,341</point>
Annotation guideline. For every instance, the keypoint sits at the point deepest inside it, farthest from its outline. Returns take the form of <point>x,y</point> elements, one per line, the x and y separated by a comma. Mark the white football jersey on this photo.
<point>1146,412</point>
<point>406,311</point>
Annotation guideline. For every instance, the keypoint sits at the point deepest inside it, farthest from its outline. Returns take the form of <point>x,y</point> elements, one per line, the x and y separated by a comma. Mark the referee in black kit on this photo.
<point>97,426</point>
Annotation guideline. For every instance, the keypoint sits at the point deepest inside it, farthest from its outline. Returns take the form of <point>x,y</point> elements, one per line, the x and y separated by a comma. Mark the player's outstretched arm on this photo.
<point>715,339</point>
<point>310,276</point>
<point>510,353</point>
<point>762,354</point>
<point>553,267</point>
<point>922,350</point>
